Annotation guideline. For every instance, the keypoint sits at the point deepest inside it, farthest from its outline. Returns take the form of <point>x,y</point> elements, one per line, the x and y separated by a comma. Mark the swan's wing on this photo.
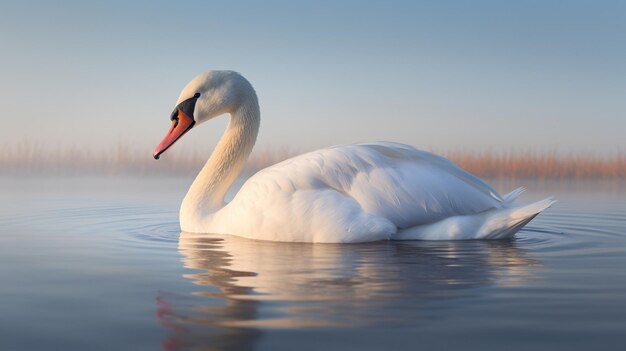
<point>391,181</point>
<point>412,187</point>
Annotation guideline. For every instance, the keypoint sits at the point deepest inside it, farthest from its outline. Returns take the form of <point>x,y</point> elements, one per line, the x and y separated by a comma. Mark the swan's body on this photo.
<point>350,193</point>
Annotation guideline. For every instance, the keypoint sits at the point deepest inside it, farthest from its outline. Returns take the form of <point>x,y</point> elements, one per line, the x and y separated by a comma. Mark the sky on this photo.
<point>460,75</point>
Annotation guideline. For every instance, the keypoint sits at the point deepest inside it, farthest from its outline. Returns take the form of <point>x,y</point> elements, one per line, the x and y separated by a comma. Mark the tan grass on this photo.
<point>33,158</point>
<point>540,165</point>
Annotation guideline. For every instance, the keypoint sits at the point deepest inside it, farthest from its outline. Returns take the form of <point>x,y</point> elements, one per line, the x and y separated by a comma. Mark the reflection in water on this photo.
<point>246,285</point>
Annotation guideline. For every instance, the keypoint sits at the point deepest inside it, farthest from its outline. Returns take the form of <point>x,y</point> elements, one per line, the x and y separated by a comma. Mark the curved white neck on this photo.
<point>206,194</point>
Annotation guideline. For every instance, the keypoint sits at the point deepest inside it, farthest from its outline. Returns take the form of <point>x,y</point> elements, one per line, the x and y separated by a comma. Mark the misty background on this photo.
<point>443,75</point>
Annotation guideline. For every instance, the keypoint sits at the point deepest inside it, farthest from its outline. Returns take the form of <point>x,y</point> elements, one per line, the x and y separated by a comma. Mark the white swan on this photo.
<point>349,193</point>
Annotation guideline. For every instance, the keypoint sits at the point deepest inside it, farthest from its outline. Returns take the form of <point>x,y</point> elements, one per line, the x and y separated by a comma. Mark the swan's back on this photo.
<point>379,185</point>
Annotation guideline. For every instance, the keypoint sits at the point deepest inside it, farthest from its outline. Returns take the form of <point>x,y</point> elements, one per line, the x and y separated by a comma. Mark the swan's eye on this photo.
<point>196,95</point>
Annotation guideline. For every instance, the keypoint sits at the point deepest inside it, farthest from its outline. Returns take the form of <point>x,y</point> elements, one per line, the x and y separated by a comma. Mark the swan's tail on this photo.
<point>505,223</point>
<point>494,224</point>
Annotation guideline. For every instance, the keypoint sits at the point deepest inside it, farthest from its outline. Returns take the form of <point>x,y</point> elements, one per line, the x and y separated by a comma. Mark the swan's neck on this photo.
<point>206,194</point>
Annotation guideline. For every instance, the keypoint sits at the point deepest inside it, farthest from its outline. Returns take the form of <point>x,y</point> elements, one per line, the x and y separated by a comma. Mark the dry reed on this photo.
<point>540,165</point>
<point>33,158</point>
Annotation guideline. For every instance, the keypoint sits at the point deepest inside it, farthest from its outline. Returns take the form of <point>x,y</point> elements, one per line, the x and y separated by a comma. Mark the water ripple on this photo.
<point>137,224</point>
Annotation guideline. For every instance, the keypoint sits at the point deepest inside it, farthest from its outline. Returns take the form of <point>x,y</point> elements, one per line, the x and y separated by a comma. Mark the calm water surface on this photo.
<point>100,264</point>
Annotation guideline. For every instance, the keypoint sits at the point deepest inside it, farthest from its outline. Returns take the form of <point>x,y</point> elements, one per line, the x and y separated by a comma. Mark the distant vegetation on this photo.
<point>30,158</point>
<point>540,165</point>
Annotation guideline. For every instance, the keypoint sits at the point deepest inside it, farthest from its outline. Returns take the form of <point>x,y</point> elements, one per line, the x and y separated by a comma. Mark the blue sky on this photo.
<point>441,74</point>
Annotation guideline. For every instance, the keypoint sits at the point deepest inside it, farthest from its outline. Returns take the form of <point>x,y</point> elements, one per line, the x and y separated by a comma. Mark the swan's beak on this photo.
<point>181,123</point>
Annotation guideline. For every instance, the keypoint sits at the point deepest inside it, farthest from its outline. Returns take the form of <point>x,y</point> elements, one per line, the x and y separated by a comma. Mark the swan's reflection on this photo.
<point>248,285</point>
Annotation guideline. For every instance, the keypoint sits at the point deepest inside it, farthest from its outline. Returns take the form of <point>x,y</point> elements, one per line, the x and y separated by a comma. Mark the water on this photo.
<point>100,264</point>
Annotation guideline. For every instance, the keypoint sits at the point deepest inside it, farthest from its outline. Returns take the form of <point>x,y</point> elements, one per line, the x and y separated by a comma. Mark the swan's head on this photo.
<point>208,95</point>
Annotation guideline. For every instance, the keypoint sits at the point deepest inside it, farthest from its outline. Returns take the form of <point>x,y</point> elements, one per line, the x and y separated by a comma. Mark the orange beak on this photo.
<point>181,123</point>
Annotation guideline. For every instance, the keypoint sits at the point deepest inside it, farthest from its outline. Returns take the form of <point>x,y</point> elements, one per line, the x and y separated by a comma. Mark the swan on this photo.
<point>340,194</point>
